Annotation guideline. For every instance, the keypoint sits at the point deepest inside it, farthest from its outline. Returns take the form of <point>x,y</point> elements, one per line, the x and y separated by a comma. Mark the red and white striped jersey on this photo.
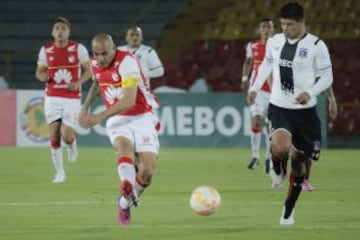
<point>64,66</point>
<point>109,79</point>
<point>256,51</point>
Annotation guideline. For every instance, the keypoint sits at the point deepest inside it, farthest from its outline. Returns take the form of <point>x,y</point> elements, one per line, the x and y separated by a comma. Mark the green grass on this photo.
<point>31,207</point>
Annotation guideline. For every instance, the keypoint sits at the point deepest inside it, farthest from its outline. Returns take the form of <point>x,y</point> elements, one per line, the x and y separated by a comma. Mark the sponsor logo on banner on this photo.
<point>32,129</point>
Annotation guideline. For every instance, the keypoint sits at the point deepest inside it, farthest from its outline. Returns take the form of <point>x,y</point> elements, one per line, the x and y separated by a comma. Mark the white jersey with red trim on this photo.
<point>64,66</point>
<point>256,51</point>
<point>109,79</point>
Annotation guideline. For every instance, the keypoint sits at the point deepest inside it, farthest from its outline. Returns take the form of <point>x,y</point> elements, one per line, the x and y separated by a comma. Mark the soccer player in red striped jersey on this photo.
<point>64,66</point>
<point>255,52</point>
<point>130,122</point>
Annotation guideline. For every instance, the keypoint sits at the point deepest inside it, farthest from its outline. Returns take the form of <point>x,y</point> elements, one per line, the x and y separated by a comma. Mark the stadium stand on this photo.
<point>191,36</point>
<point>219,50</point>
<point>26,26</point>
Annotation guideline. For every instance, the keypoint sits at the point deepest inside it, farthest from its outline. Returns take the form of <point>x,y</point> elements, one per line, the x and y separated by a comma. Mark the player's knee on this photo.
<point>146,175</point>
<point>68,140</point>
<point>146,172</point>
<point>280,151</point>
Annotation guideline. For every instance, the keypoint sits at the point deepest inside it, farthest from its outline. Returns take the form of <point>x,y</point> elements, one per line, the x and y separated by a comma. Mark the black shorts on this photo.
<point>303,124</point>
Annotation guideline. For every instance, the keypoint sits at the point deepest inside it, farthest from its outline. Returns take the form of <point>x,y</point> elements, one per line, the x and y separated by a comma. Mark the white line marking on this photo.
<point>194,226</point>
<point>147,202</point>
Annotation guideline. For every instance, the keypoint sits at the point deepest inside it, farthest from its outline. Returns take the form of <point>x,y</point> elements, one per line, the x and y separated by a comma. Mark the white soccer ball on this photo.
<point>205,200</point>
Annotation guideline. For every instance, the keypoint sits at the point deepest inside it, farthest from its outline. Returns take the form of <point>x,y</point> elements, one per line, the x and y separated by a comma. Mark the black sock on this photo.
<point>276,165</point>
<point>293,194</point>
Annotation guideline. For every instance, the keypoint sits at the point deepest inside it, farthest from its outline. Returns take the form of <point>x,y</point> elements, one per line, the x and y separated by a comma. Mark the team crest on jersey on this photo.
<point>71,59</point>
<point>146,140</point>
<point>51,58</point>
<point>115,77</point>
<point>62,75</point>
<point>303,52</point>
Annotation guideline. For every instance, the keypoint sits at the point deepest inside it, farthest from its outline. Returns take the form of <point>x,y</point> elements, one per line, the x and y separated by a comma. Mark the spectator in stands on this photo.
<point>64,66</point>
<point>130,125</point>
<point>255,52</point>
<point>149,59</point>
<point>3,83</point>
<point>200,85</point>
<point>295,58</point>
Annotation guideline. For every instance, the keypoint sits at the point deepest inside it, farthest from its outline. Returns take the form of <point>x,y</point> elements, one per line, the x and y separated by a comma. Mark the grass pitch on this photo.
<point>31,207</point>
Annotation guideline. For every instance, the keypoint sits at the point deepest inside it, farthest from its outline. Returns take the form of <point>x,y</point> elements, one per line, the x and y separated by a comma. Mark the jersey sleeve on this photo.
<point>83,53</point>
<point>129,68</point>
<point>248,50</point>
<point>265,68</point>
<point>322,56</point>
<point>268,50</point>
<point>323,70</point>
<point>42,57</point>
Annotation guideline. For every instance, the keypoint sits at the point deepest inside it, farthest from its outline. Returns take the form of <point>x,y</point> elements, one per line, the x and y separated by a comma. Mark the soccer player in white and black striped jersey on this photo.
<point>295,58</point>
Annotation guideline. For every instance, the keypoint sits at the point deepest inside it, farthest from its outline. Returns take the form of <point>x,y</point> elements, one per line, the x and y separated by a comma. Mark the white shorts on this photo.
<point>261,105</point>
<point>140,130</point>
<point>66,109</point>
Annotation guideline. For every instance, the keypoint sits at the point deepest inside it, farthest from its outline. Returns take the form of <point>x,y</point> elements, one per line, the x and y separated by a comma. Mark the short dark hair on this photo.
<point>266,20</point>
<point>292,10</point>
<point>62,20</point>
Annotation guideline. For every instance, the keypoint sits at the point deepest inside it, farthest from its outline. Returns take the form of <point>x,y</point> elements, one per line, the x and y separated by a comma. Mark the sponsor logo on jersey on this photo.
<point>285,63</point>
<point>49,50</point>
<point>62,75</point>
<point>112,94</point>
<point>71,48</point>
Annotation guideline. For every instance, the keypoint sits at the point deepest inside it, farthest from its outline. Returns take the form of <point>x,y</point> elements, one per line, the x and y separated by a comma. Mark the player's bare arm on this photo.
<point>333,109</point>
<point>42,73</point>
<point>126,101</point>
<point>86,75</point>
<point>93,93</point>
<point>245,73</point>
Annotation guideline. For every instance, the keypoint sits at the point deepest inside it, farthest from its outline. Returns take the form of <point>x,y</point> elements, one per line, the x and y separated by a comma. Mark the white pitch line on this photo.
<point>181,226</point>
<point>150,202</point>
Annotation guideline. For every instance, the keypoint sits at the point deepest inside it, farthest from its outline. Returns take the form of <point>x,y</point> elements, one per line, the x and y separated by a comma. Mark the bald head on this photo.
<point>134,36</point>
<point>103,48</point>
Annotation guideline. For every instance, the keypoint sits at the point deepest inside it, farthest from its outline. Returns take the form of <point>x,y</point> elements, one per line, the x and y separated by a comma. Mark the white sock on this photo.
<point>138,188</point>
<point>123,202</point>
<point>126,171</point>
<point>72,145</point>
<point>57,158</point>
<point>255,143</point>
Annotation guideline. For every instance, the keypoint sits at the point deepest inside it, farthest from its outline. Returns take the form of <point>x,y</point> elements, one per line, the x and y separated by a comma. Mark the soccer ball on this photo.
<point>205,200</point>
